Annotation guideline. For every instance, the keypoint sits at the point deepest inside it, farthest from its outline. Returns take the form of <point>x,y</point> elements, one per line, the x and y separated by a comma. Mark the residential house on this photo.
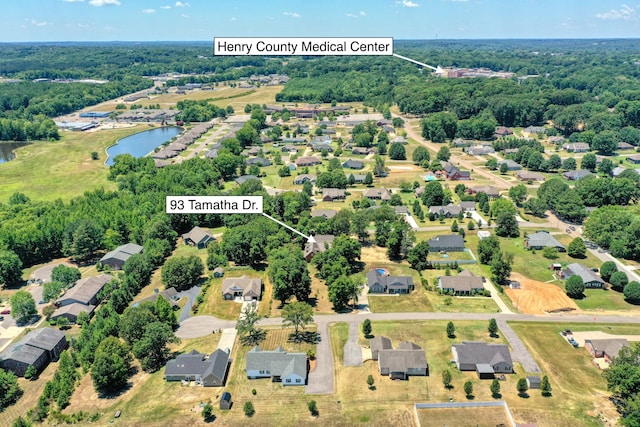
<point>491,191</point>
<point>467,206</point>
<point>295,140</point>
<point>321,243</point>
<point>333,194</point>
<point>535,129</point>
<point>377,194</point>
<point>445,211</point>
<point>447,243</point>
<point>193,366</point>
<point>399,140</point>
<point>576,175</point>
<point>244,178</point>
<point>288,148</point>
<point>605,348</point>
<point>279,365</point>
<point>307,161</point>
<point>169,294</point>
<point>589,278</point>
<point>615,172</point>
<point>479,150</point>
<point>465,283</point>
<point>380,282</point>
<point>245,287</point>
<point>455,174</point>
<point>117,257</point>
<point>254,151</point>
<point>260,161</point>
<point>321,146</point>
<point>511,165</point>
<point>541,240</point>
<point>555,140</point>
<point>302,178</point>
<point>486,359</point>
<point>84,292</point>
<point>408,359</point>
<point>576,147</point>
<point>357,178</point>
<point>353,164</point>
<point>529,176</point>
<point>625,146</point>
<point>363,150</point>
<point>461,143</point>
<point>379,343</point>
<point>324,213</point>
<point>37,349</point>
<point>502,131</point>
<point>198,237</point>
<point>634,159</point>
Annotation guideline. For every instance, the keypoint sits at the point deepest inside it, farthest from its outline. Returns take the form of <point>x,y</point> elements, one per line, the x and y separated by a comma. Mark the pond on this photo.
<point>141,144</point>
<point>7,150</point>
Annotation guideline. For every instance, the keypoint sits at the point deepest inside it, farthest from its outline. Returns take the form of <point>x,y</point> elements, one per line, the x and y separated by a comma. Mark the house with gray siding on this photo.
<point>485,359</point>
<point>589,278</point>
<point>117,257</point>
<point>409,359</point>
<point>541,240</point>
<point>380,282</point>
<point>37,349</point>
<point>279,365</point>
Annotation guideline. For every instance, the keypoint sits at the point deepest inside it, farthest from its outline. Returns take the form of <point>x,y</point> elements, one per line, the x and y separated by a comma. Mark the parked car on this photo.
<point>7,311</point>
<point>1,318</point>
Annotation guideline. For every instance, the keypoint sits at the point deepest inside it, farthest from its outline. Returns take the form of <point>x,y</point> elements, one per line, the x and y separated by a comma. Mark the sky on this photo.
<point>164,20</point>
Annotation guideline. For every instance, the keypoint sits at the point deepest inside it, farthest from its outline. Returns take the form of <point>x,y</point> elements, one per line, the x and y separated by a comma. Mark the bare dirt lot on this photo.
<point>538,297</point>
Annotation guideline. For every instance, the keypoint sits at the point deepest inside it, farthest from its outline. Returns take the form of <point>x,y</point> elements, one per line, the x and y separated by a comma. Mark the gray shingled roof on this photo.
<point>86,289</point>
<point>197,235</point>
<point>388,282</point>
<point>584,272</point>
<point>250,286</point>
<point>543,239</point>
<point>22,353</point>
<point>279,362</point>
<point>194,363</point>
<point>322,242</point>
<point>44,338</point>
<point>446,241</point>
<point>476,352</point>
<point>123,252</point>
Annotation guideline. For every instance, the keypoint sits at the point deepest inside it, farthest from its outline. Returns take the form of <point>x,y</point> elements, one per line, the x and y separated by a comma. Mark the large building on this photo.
<point>117,257</point>
<point>193,366</point>
<point>37,349</point>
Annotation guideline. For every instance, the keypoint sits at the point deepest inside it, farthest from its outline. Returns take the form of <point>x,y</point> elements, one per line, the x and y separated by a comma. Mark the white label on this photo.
<point>214,204</point>
<point>289,46</point>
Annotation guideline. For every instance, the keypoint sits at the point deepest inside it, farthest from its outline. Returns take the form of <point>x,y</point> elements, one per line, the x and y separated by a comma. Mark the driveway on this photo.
<point>191,295</point>
<point>352,351</point>
<point>201,326</point>
<point>320,380</point>
<point>519,352</point>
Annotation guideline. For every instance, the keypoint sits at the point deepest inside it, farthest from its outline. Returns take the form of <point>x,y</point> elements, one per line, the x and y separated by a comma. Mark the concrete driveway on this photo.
<point>352,351</point>
<point>200,326</point>
<point>320,380</point>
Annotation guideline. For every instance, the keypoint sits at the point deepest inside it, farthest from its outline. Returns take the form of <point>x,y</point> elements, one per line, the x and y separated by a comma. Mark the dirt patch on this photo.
<point>405,168</point>
<point>374,254</point>
<point>538,298</point>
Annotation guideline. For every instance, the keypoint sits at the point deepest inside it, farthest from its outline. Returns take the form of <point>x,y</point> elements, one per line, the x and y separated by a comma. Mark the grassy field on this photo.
<point>43,170</point>
<point>576,382</point>
<point>463,417</point>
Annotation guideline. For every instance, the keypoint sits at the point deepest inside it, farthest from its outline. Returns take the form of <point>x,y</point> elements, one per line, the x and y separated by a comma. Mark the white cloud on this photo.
<point>356,15</point>
<point>233,19</point>
<point>409,3</point>
<point>180,4</point>
<point>73,1</point>
<point>100,3</point>
<point>184,15</point>
<point>83,26</point>
<point>625,13</point>
<point>165,7</point>
<point>39,23</point>
<point>148,11</point>
<point>292,14</point>
<point>459,1</point>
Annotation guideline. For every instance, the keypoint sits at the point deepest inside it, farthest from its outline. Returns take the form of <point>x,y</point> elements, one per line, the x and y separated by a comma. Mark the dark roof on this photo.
<point>578,174</point>
<point>86,289</point>
<point>322,242</point>
<point>44,338</point>
<point>475,352</point>
<point>195,363</point>
<point>460,283</point>
<point>353,164</point>
<point>543,239</point>
<point>388,282</point>
<point>446,241</point>
<point>585,273</point>
<point>198,235</point>
<point>379,343</point>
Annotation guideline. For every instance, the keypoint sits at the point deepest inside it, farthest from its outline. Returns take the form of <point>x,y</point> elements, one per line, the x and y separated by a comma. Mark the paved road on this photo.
<point>320,380</point>
<point>352,351</point>
<point>201,326</point>
<point>519,351</point>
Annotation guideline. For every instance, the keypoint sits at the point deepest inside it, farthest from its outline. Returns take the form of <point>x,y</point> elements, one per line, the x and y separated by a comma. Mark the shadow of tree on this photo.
<point>306,336</point>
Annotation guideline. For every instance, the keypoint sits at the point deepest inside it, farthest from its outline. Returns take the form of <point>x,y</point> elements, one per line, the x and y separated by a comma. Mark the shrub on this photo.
<point>249,410</point>
<point>550,253</point>
<point>313,408</point>
<point>618,281</point>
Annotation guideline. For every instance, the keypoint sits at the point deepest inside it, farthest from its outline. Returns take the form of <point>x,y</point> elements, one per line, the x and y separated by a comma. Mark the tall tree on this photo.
<point>518,194</point>
<point>297,314</point>
<point>446,379</point>
<point>151,349</point>
<point>545,386</point>
<point>397,152</point>
<point>522,387</point>
<point>495,389</point>
<point>82,240</point>
<point>574,286</point>
<point>341,291</point>
<point>65,275</point>
<point>10,390</point>
<point>23,306</point>
<point>111,366</point>
<point>493,327</point>
<point>417,256</point>
<point>577,248</point>
<point>506,225</point>
<point>10,268</point>
<point>249,333</point>
<point>501,265</point>
<point>289,274</point>
<point>487,248</point>
<point>451,330</point>
<point>182,272</point>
